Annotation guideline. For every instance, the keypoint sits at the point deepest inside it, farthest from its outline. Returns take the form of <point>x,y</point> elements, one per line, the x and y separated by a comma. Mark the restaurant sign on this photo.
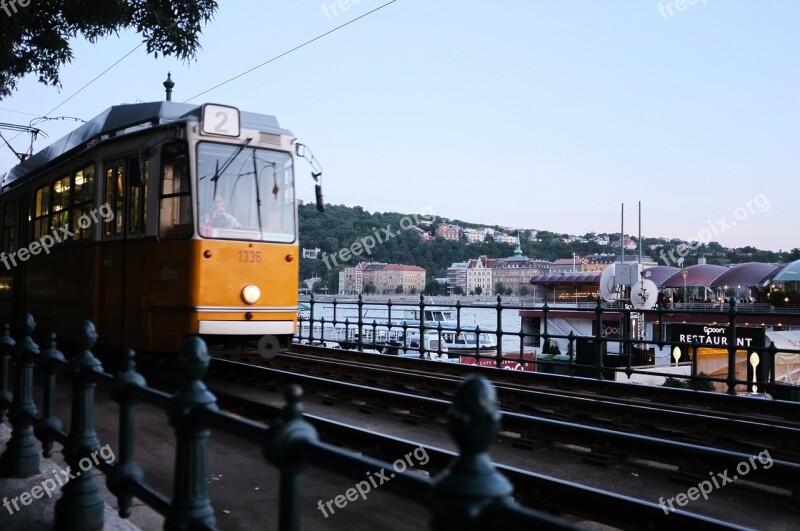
<point>717,336</point>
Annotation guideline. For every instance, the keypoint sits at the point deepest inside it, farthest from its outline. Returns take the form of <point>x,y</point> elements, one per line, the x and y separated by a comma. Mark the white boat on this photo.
<point>304,312</point>
<point>432,348</point>
<point>390,332</point>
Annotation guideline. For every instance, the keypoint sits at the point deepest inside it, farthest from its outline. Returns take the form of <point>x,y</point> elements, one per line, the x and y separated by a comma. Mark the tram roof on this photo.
<point>119,120</point>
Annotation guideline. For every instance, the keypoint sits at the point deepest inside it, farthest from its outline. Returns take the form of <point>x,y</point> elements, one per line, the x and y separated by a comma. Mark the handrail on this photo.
<point>470,494</point>
<point>597,363</point>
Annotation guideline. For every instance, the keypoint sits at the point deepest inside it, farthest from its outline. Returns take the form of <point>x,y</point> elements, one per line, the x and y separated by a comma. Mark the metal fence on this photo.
<point>470,494</point>
<point>648,341</point>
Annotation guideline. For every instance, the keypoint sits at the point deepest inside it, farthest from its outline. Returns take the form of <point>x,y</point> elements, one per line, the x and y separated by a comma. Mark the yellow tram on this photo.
<point>156,221</point>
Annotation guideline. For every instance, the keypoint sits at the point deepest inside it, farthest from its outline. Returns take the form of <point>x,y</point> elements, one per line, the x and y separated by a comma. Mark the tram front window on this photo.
<point>245,193</point>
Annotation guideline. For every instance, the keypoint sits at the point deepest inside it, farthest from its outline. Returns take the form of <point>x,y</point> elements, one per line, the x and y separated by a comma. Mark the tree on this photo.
<point>370,288</point>
<point>523,291</point>
<point>499,288</point>
<point>34,38</point>
<point>478,290</point>
<point>458,290</point>
<point>398,289</point>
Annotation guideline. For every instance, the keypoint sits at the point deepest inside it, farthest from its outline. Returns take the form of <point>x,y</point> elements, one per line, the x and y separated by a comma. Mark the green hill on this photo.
<point>340,227</point>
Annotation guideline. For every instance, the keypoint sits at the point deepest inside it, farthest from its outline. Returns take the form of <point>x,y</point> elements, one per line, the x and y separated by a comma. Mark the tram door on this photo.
<point>122,251</point>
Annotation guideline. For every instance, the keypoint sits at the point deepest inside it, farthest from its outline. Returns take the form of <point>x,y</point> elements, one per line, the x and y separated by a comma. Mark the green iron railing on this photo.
<point>598,364</point>
<point>470,494</point>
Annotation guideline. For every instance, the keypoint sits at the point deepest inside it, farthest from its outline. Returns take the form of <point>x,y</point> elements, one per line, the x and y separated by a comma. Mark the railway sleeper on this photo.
<point>601,459</point>
<point>531,445</point>
<point>693,477</point>
<point>602,455</point>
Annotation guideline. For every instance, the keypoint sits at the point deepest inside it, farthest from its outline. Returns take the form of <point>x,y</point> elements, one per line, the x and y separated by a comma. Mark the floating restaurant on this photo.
<point>682,321</point>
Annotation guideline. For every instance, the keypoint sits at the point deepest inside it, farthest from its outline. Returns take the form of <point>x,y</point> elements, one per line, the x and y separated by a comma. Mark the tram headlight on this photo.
<point>251,294</point>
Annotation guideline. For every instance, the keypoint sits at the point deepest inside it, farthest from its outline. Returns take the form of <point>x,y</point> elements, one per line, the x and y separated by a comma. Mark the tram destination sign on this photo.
<point>717,335</point>
<point>220,120</point>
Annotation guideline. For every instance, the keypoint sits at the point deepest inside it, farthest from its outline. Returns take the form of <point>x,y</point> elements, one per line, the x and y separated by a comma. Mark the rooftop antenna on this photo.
<point>622,233</point>
<point>168,86</point>
<point>640,232</point>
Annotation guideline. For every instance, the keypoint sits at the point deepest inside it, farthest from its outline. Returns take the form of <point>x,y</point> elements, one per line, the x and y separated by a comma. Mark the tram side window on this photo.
<point>60,211</point>
<point>9,224</point>
<point>175,216</point>
<point>115,181</point>
<point>25,216</point>
<point>82,203</point>
<point>137,196</point>
<point>41,211</point>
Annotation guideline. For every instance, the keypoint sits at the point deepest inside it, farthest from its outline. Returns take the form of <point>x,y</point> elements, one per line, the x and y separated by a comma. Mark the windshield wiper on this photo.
<point>258,194</point>
<point>218,172</point>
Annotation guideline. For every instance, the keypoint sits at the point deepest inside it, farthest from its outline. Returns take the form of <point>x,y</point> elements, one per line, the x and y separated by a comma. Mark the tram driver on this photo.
<point>220,217</point>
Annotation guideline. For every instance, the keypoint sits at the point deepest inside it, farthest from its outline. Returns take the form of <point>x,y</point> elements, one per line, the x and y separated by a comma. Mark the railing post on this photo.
<point>311,319</point>
<point>360,341</point>
<point>771,351</point>
<point>731,379</point>
<point>284,435</point>
<point>6,346</point>
<point>598,338</point>
<point>126,470</point>
<point>81,506</point>
<point>472,483</point>
<point>21,457</point>
<point>50,365</point>
<point>190,504</point>
<point>499,331</point>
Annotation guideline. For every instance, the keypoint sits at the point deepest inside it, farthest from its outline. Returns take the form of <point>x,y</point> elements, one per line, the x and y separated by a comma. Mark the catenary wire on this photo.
<point>337,28</point>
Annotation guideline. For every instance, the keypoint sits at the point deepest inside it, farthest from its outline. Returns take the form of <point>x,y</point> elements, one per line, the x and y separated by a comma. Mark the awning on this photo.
<point>789,273</point>
<point>785,340</point>
<point>749,274</point>
<point>696,276</point>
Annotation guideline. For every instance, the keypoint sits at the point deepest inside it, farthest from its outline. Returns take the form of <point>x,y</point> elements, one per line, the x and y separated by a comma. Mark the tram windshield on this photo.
<point>245,193</point>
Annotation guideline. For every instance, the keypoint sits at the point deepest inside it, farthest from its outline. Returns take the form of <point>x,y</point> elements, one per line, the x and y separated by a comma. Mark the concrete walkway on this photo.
<point>38,514</point>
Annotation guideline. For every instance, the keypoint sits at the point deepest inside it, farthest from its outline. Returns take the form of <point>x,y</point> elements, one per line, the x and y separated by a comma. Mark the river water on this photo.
<point>485,318</point>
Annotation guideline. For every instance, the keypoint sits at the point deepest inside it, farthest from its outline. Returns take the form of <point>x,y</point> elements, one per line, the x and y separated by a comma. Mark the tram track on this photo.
<point>240,387</point>
<point>603,446</point>
<point>531,489</point>
<point>720,429</point>
<point>778,412</point>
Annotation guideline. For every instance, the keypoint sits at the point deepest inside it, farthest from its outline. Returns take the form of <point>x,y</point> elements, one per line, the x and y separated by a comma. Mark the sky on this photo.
<point>529,114</point>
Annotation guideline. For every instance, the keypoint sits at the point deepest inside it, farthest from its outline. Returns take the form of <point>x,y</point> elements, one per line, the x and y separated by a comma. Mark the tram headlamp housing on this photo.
<point>251,294</point>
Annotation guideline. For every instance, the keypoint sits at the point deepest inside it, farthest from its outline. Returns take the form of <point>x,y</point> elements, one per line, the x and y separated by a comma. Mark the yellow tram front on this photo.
<point>231,186</point>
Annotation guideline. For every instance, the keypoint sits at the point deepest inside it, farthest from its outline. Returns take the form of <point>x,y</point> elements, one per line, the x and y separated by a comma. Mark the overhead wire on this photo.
<point>318,37</point>
<point>19,112</point>
<point>306,43</point>
<point>98,76</point>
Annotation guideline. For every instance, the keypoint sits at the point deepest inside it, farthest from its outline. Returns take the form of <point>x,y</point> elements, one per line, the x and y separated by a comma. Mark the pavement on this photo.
<point>243,487</point>
<point>38,514</point>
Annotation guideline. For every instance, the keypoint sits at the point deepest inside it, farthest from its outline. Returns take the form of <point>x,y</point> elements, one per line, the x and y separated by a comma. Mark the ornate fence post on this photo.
<point>284,433</point>
<point>472,482</point>
<point>190,504</point>
<point>21,457</point>
<point>730,381</point>
<point>126,469</point>
<point>360,343</point>
<point>311,319</point>
<point>6,346</point>
<point>50,365</point>
<point>499,333</point>
<point>81,506</point>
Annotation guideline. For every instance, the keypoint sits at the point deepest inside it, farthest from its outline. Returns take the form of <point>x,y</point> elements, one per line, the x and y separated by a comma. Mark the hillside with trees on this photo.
<point>339,227</point>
